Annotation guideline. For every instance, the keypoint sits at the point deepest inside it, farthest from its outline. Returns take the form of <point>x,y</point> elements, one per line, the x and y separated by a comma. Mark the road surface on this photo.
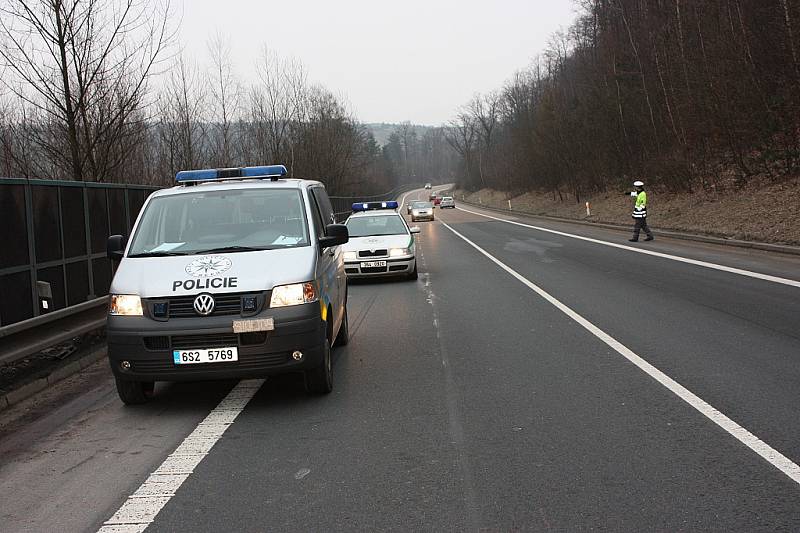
<point>538,376</point>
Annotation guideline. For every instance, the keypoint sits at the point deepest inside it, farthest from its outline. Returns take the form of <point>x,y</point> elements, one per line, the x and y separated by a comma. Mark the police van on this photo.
<point>232,273</point>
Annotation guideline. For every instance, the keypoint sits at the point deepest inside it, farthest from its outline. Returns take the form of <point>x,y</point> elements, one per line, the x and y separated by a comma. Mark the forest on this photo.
<point>684,94</point>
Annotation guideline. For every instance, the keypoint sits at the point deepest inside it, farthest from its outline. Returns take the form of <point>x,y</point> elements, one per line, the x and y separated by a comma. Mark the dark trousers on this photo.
<point>640,224</point>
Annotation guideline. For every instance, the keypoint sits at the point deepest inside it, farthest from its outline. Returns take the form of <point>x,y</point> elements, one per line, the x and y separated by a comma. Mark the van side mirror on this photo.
<point>414,229</point>
<point>115,247</point>
<point>336,234</point>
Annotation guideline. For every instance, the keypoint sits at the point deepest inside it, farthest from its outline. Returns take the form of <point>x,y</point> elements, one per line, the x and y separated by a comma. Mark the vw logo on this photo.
<point>204,304</point>
<point>209,265</point>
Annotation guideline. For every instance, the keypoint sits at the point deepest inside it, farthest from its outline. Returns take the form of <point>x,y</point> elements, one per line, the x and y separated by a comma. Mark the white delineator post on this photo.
<point>588,210</point>
<point>509,205</point>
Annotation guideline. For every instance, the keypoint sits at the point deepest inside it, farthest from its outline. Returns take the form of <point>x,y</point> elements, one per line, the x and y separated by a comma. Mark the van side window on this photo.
<point>325,207</point>
<point>319,227</point>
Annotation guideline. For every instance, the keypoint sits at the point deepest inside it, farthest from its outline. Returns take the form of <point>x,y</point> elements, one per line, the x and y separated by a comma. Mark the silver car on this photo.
<point>421,211</point>
<point>447,201</point>
<point>231,274</point>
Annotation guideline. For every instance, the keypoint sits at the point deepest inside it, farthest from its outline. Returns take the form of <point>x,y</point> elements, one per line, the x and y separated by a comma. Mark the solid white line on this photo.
<point>695,262</point>
<point>771,455</point>
<point>141,507</point>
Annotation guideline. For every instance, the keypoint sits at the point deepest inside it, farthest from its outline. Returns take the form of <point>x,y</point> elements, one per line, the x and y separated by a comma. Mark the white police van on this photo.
<point>233,273</point>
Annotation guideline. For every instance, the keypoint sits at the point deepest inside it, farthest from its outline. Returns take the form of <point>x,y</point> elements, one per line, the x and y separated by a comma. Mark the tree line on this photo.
<point>680,93</point>
<point>96,90</point>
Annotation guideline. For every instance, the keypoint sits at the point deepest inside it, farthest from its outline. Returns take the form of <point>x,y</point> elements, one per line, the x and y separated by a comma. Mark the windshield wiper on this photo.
<point>157,254</point>
<point>224,249</point>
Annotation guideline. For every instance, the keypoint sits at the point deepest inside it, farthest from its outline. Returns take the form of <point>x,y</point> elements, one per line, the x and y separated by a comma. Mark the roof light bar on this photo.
<point>369,206</point>
<point>220,174</point>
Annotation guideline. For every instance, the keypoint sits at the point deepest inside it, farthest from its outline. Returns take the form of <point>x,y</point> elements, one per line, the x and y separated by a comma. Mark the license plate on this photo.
<point>373,264</point>
<point>250,326</point>
<point>210,355</point>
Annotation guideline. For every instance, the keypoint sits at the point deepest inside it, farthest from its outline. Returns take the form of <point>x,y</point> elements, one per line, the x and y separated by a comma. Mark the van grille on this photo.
<point>224,304</point>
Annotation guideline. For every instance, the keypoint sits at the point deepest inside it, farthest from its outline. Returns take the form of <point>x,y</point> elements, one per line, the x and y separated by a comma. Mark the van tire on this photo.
<point>134,392</point>
<point>319,380</point>
<point>344,330</point>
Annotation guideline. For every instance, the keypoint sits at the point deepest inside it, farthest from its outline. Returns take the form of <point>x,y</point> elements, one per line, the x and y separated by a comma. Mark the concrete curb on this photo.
<point>38,385</point>
<point>780,248</point>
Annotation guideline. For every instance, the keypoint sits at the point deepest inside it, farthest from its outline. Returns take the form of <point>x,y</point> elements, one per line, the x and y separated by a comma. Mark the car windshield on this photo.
<point>376,225</point>
<point>214,221</point>
<point>420,205</point>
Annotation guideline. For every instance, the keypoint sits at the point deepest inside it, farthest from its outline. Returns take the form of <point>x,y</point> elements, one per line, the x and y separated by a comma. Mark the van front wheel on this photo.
<point>134,392</point>
<point>319,380</point>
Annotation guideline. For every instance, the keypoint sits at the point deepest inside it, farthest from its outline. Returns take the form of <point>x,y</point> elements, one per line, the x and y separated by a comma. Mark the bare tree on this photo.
<point>84,65</point>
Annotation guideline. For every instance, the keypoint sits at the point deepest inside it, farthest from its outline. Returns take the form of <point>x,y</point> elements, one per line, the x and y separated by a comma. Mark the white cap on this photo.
<point>638,184</point>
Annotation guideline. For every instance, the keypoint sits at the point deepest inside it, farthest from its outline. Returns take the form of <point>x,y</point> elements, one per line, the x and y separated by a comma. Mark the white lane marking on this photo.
<point>772,456</point>
<point>141,507</point>
<point>303,472</point>
<point>695,262</point>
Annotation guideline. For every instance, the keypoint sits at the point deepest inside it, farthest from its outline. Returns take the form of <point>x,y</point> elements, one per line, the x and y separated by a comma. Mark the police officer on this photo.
<point>640,213</point>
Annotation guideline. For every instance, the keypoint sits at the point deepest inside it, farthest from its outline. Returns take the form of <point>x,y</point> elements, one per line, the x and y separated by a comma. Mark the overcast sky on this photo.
<point>411,60</point>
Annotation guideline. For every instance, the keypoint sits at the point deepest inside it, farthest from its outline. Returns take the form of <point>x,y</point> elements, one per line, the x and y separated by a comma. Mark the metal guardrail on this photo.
<point>29,336</point>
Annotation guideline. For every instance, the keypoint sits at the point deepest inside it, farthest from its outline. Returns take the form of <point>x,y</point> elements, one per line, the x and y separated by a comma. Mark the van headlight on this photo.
<point>294,294</point>
<point>350,256</point>
<point>398,252</point>
<point>125,305</point>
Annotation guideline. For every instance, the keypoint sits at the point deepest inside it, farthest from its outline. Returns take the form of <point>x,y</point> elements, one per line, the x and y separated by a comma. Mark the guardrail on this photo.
<point>29,337</point>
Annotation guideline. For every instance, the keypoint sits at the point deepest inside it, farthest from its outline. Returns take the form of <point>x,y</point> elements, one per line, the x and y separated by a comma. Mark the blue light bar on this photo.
<point>368,206</point>
<point>268,171</point>
<point>219,174</point>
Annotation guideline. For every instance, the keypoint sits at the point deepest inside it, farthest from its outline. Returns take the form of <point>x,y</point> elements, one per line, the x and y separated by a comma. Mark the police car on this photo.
<point>381,243</point>
<point>233,273</point>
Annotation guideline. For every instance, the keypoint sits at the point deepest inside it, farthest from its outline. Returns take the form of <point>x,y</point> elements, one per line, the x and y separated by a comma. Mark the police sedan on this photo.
<point>381,243</point>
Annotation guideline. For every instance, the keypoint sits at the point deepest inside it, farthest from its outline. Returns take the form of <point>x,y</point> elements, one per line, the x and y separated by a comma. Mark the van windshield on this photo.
<point>221,221</point>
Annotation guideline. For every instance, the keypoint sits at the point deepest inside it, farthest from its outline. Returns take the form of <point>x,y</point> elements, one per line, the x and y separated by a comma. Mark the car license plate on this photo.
<point>373,264</point>
<point>210,355</point>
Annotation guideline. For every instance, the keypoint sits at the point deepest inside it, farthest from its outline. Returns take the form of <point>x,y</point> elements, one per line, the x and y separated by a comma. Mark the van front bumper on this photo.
<point>141,349</point>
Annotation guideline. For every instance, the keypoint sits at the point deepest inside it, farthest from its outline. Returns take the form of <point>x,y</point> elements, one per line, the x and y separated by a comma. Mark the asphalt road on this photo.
<point>469,401</point>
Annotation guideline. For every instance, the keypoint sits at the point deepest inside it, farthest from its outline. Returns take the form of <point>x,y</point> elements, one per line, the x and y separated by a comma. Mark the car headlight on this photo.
<point>294,294</point>
<point>397,252</point>
<point>126,305</point>
<point>350,256</point>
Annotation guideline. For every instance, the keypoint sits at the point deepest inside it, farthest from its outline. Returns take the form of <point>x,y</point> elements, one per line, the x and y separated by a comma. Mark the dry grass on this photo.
<point>757,212</point>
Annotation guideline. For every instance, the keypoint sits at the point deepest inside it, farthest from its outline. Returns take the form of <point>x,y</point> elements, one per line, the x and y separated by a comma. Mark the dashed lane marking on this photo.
<point>772,456</point>
<point>723,268</point>
<point>141,507</point>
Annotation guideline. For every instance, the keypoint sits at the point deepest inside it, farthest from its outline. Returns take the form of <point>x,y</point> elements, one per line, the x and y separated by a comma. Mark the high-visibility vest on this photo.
<point>640,209</point>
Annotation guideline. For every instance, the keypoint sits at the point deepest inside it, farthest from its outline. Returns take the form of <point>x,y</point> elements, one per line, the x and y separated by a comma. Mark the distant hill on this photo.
<point>382,130</point>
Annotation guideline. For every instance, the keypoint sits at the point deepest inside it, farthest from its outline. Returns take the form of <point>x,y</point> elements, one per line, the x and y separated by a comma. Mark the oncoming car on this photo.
<point>447,201</point>
<point>421,211</point>
<point>234,273</point>
<point>381,243</point>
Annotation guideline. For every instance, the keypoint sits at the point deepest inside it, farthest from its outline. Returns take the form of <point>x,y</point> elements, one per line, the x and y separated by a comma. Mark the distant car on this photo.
<point>427,185</point>
<point>381,243</point>
<point>447,201</point>
<point>421,211</point>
